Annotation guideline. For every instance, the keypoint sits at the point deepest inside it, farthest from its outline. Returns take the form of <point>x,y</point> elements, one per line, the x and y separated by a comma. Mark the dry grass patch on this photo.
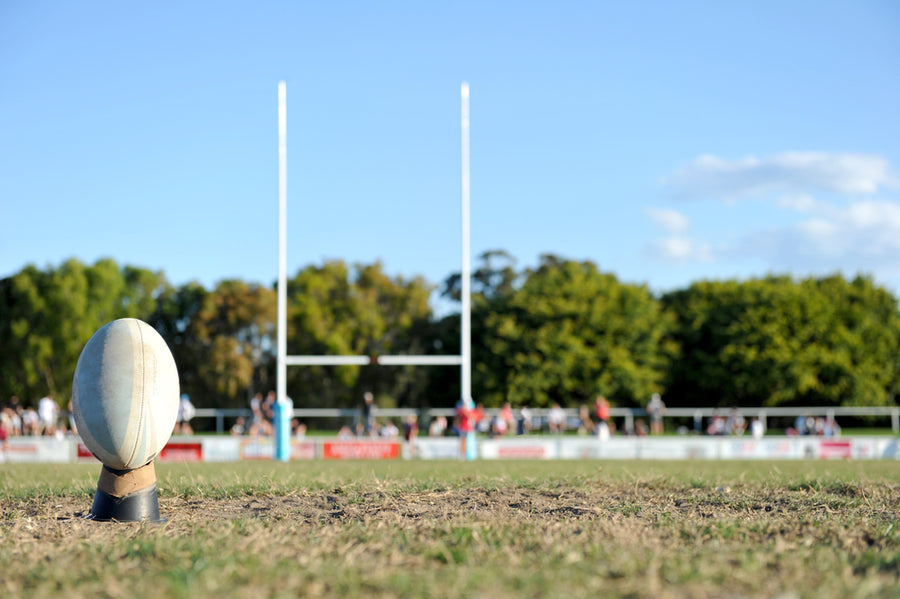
<point>481,530</point>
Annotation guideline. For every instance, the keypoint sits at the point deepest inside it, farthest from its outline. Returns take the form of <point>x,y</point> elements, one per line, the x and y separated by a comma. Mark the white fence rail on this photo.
<point>628,415</point>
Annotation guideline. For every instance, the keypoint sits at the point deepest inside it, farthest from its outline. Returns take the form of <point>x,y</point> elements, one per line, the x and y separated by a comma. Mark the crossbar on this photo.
<point>327,360</point>
<point>398,360</point>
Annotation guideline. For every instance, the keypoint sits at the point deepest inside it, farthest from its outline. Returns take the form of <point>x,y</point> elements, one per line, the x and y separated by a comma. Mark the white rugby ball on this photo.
<point>125,394</point>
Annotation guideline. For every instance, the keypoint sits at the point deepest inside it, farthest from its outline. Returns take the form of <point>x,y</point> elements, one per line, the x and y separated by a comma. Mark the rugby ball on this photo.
<point>125,394</point>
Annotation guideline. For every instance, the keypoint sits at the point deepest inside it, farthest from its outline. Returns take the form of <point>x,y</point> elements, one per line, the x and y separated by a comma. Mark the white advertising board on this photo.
<point>435,448</point>
<point>521,448</point>
<point>231,449</point>
<point>37,450</point>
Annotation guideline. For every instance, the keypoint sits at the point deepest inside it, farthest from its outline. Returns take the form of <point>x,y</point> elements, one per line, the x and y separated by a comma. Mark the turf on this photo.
<point>448,529</point>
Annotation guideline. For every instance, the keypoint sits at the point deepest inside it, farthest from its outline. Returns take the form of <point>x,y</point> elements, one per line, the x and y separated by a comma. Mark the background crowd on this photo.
<point>46,419</point>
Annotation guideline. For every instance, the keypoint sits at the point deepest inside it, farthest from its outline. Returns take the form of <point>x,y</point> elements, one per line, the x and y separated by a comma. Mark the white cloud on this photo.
<point>670,220</point>
<point>791,173</point>
<point>874,216</point>
<point>824,213</point>
<point>680,249</point>
<point>817,228</point>
<point>798,202</point>
<point>677,247</point>
<point>862,237</point>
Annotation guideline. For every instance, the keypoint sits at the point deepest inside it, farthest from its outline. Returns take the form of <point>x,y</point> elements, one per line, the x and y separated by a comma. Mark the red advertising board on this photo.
<point>182,452</point>
<point>83,454</point>
<point>303,450</point>
<point>835,449</point>
<point>522,452</point>
<point>172,452</point>
<point>360,450</point>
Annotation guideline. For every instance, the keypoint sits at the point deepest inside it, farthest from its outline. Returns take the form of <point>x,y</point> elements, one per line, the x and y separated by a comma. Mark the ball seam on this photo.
<point>141,401</point>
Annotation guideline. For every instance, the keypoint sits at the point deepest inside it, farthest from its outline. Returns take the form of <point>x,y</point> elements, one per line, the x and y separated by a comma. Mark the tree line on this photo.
<point>561,332</point>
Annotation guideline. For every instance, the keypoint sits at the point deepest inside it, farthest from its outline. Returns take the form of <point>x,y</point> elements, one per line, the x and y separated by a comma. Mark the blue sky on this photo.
<point>668,142</point>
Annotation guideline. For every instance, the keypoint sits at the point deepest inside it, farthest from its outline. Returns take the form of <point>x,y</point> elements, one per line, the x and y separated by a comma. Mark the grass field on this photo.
<point>448,529</point>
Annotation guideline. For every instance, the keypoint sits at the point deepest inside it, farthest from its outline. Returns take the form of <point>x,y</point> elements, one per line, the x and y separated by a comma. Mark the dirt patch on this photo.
<point>340,505</point>
<point>405,539</point>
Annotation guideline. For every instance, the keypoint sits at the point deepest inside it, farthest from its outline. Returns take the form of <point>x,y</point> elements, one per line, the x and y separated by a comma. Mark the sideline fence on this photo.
<point>538,415</point>
<point>227,448</point>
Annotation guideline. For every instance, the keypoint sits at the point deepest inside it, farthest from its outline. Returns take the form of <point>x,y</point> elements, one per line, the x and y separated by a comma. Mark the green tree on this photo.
<point>334,309</point>
<point>493,280</point>
<point>774,341</point>
<point>222,339</point>
<point>567,333</point>
<point>177,309</point>
<point>48,316</point>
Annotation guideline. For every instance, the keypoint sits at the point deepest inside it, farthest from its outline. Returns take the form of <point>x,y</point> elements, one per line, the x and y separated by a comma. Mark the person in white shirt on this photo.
<point>48,411</point>
<point>556,419</point>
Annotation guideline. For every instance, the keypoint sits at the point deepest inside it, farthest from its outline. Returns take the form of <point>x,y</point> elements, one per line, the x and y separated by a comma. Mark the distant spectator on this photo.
<point>698,423</point>
<point>437,427</point>
<point>716,424</point>
<point>298,429</point>
<point>48,412</point>
<point>800,424</point>
<point>499,425</point>
<point>810,425</point>
<point>735,425</point>
<point>805,424</point>
<point>602,414</point>
<point>640,428</point>
<point>506,414</point>
<point>464,425</point>
<point>523,422</point>
<point>31,422</point>
<point>186,411</point>
<point>4,419</point>
<point>411,428</point>
<point>14,417</point>
<point>827,427</point>
<point>482,422</point>
<point>369,410</point>
<point>411,433</point>
<point>756,428</point>
<point>268,410</point>
<point>601,429</point>
<point>655,409</point>
<point>389,430</point>
<point>258,423</point>
<point>238,428</point>
<point>4,433</point>
<point>587,425</point>
<point>556,419</point>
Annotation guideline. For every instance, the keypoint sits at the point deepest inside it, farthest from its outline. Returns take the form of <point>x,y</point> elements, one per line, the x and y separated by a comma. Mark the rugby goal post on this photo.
<point>464,359</point>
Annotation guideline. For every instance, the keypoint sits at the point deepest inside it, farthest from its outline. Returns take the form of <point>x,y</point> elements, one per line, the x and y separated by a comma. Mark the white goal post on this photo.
<point>464,360</point>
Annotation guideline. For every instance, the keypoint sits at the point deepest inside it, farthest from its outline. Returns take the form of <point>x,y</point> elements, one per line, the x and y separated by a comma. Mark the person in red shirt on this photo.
<point>601,413</point>
<point>465,424</point>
